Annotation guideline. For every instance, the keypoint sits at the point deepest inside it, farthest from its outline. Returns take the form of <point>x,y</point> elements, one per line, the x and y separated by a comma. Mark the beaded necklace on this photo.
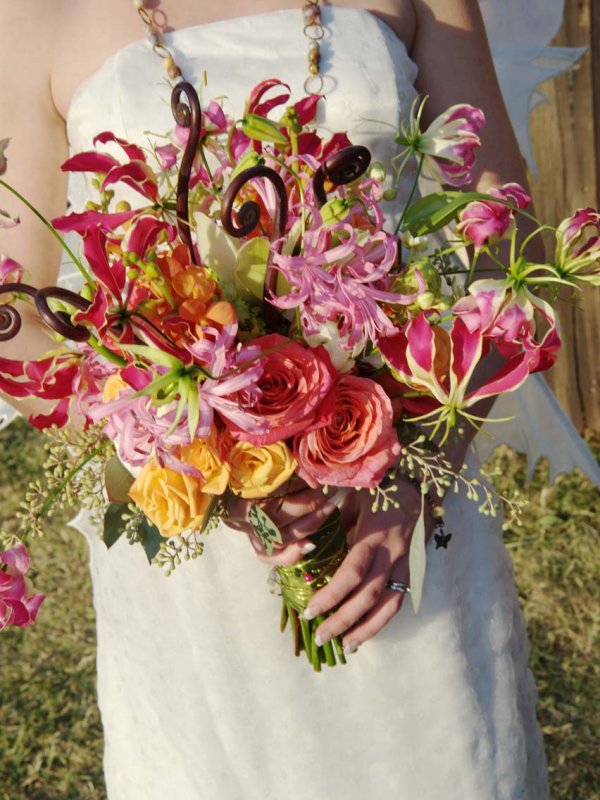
<point>313,30</point>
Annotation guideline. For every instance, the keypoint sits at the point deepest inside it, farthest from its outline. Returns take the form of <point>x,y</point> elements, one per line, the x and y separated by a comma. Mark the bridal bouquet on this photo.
<point>247,320</point>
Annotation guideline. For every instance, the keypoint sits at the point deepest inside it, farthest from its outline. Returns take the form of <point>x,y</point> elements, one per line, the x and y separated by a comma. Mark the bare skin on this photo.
<point>49,57</point>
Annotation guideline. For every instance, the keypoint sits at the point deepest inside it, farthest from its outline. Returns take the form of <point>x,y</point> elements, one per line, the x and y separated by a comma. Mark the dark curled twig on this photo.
<point>187,116</point>
<point>341,168</point>
<point>248,218</point>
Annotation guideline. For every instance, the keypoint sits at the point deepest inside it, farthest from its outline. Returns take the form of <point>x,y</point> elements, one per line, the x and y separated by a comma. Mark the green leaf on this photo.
<point>248,161</point>
<point>153,354</point>
<point>435,211</point>
<point>117,480</point>
<point>263,130</point>
<point>417,559</point>
<point>114,524</point>
<point>193,408</point>
<point>150,538</point>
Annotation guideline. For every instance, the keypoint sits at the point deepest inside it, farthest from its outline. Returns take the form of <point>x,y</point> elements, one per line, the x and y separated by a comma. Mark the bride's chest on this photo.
<point>88,34</point>
<point>367,74</point>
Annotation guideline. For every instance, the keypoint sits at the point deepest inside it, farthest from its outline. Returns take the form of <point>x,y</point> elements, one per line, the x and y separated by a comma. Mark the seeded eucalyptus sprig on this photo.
<point>72,479</point>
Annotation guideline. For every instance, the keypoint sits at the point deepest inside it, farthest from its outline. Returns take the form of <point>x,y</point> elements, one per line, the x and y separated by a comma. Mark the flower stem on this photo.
<point>54,233</point>
<point>411,195</point>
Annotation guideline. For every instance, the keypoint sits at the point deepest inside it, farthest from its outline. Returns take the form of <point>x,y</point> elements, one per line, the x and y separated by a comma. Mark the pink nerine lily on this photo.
<point>18,604</point>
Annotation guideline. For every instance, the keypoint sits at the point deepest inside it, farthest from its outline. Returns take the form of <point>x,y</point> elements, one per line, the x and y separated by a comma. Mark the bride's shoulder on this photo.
<point>28,32</point>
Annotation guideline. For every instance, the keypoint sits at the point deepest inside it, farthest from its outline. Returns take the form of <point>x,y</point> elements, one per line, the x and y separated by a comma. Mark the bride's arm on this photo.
<point>36,150</point>
<point>455,66</point>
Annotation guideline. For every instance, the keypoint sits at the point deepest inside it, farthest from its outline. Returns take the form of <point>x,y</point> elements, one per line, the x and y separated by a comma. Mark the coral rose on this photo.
<point>257,471</point>
<point>285,401</point>
<point>355,443</point>
<point>173,501</point>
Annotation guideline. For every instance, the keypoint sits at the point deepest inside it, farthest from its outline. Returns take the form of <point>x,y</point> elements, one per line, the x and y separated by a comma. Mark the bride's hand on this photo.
<point>298,514</point>
<point>378,554</point>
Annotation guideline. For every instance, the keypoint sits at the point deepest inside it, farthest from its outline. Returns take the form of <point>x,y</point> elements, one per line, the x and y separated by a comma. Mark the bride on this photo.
<point>199,695</point>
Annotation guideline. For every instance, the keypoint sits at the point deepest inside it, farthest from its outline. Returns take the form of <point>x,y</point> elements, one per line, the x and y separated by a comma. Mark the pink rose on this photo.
<point>286,397</point>
<point>18,604</point>
<point>354,443</point>
<point>486,222</point>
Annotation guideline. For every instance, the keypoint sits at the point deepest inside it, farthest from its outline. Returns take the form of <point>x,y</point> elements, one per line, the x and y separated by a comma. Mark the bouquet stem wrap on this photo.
<point>301,581</point>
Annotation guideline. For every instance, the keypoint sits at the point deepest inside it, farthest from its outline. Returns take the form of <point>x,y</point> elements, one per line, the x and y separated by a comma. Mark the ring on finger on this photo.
<point>398,586</point>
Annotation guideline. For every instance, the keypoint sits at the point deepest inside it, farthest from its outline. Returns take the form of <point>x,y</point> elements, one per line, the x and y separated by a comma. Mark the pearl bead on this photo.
<point>168,62</point>
<point>153,37</point>
<point>137,4</point>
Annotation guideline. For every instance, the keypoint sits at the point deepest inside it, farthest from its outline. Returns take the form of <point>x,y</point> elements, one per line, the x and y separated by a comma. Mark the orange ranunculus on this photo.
<point>173,263</point>
<point>256,471</point>
<point>174,502</point>
<point>206,455</point>
<point>193,283</point>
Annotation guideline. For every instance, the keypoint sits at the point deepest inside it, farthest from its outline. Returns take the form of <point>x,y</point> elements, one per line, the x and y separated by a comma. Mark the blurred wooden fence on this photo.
<point>566,134</point>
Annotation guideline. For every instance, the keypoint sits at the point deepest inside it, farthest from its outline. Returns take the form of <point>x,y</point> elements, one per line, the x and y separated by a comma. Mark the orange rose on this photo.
<point>174,502</point>
<point>207,456</point>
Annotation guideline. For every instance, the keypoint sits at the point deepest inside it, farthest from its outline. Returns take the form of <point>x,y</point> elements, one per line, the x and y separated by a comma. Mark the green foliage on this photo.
<point>115,522</point>
<point>558,574</point>
<point>435,211</point>
<point>50,734</point>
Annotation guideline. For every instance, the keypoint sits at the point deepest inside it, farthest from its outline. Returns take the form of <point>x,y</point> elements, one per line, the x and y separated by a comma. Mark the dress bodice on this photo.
<point>368,76</point>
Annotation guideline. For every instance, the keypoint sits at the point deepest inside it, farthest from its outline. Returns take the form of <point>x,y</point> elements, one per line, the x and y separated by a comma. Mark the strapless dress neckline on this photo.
<point>328,14</point>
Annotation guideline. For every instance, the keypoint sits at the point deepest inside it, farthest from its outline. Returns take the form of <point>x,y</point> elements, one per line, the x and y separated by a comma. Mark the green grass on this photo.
<point>50,733</point>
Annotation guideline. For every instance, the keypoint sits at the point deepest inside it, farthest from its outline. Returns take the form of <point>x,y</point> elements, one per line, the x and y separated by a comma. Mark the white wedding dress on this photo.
<point>200,695</point>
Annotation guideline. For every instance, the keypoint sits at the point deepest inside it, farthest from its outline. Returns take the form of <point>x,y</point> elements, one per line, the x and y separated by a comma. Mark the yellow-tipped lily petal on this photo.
<point>216,248</point>
<point>251,266</point>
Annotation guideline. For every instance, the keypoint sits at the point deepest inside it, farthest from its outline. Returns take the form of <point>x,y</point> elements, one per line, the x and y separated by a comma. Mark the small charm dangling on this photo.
<point>442,539</point>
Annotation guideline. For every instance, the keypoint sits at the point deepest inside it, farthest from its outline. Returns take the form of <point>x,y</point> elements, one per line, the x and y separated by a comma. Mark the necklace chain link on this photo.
<point>313,30</point>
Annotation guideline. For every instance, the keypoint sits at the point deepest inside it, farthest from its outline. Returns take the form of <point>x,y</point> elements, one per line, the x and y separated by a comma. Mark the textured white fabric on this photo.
<point>519,32</point>
<point>199,692</point>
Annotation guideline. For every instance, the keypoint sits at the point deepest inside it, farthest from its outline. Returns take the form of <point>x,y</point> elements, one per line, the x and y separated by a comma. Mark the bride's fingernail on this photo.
<point>308,614</point>
<point>350,648</point>
<point>308,548</point>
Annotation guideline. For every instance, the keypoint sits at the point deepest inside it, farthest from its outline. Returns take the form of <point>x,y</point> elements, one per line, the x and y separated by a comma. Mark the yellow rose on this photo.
<point>112,388</point>
<point>257,471</point>
<point>174,502</point>
<point>205,455</point>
